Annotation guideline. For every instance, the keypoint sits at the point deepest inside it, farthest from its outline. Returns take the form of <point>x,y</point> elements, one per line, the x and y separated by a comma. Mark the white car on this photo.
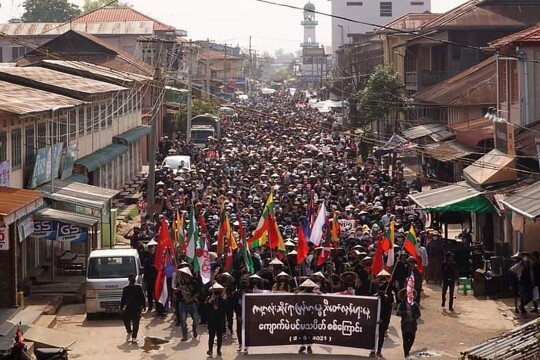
<point>176,161</point>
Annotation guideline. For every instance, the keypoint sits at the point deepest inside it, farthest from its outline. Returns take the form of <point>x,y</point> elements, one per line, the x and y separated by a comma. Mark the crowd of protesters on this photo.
<point>304,160</point>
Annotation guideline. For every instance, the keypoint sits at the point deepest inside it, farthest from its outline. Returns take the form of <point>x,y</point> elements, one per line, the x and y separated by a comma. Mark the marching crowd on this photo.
<point>299,157</point>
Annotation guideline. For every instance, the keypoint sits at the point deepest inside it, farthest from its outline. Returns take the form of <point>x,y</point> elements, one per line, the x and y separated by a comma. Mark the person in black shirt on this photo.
<point>384,292</point>
<point>150,273</point>
<point>409,314</point>
<point>449,277</point>
<point>132,305</point>
<point>217,316</point>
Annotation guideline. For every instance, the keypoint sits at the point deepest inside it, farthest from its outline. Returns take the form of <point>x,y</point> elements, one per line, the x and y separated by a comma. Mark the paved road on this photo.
<point>440,333</point>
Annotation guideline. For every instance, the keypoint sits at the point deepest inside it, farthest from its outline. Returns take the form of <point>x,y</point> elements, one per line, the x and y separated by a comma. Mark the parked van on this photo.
<point>106,277</point>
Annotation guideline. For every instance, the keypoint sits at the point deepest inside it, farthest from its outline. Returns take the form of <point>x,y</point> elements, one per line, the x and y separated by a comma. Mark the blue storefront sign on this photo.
<point>56,230</point>
<point>46,165</point>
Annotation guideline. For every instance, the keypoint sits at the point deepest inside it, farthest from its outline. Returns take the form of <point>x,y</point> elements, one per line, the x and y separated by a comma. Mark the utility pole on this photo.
<point>208,70</point>
<point>249,69</point>
<point>190,94</point>
<point>157,100</point>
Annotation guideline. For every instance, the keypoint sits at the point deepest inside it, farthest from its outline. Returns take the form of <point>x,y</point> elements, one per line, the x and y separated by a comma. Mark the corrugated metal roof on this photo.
<point>471,125</point>
<point>437,131</point>
<point>449,150</point>
<point>14,200</point>
<point>531,34</point>
<point>117,14</point>
<point>474,86</point>
<point>36,76</point>
<point>93,69</point>
<point>409,22</point>
<point>444,196</point>
<point>518,344</point>
<point>78,190</point>
<point>526,201</point>
<point>66,216</point>
<point>22,100</point>
<point>481,14</point>
<point>94,28</point>
<point>217,55</point>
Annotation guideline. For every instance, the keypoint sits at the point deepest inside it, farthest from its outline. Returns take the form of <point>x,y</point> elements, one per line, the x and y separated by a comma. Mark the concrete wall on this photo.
<point>368,11</point>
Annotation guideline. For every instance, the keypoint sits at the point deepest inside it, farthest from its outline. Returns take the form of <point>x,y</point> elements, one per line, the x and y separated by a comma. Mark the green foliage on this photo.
<point>90,5</point>
<point>381,95</point>
<point>55,11</point>
<point>199,107</point>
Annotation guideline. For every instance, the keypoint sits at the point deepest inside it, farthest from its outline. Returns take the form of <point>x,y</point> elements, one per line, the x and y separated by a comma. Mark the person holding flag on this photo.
<point>409,311</point>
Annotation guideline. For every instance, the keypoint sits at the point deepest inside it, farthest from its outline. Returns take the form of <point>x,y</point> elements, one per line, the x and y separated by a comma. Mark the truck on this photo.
<point>204,127</point>
<point>106,276</point>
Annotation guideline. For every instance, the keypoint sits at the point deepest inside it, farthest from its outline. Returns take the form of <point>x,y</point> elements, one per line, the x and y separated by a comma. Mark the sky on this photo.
<point>233,21</point>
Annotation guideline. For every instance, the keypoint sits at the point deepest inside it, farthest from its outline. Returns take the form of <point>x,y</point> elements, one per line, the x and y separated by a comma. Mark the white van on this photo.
<point>106,277</point>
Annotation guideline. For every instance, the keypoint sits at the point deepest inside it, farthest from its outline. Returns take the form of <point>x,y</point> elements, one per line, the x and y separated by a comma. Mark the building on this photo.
<point>370,14</point>
<point>119,27</point>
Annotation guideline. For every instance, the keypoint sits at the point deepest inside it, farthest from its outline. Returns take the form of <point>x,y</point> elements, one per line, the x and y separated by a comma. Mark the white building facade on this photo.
<point>376,12</point>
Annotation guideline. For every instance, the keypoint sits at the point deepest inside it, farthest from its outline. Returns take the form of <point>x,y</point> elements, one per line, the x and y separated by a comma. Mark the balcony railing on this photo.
<point>419,80</point>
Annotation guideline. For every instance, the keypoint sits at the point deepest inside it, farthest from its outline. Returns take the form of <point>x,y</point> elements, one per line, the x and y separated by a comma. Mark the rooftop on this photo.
<point>217,55</point>
<point>529,35</point>
<point>56,81</point>
<point>95,28</point>
<point>474,86</point>
<point>408,22</point>
<point>14,99</point>
<point>120,14</point>
<point>14,200</point>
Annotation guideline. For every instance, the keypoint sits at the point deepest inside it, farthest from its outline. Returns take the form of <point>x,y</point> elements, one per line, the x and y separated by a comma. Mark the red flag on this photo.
<point>323,255</point>
<point>204,230</point>
<point>378,260</point>
<point>223,230</point>
<point>410,247</point>
<point>302,247</point>
<point>229,256</point>
<point>164,244</point>
<point>273,235</point>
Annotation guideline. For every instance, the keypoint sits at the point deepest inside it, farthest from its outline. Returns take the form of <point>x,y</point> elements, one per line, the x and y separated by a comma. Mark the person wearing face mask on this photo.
<point>282,282</point>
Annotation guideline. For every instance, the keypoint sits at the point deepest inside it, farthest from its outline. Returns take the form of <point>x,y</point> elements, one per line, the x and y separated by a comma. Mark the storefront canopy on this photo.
<point>456,197</point>
<point>436,131</point>
<point>101,157</point>
<point>79,194</point>
<point>526,202</point>
<point>17,203</point>
<point>66,217</point>
<point>448,150</point>
<point>133,135</point>
<point>494,167</point>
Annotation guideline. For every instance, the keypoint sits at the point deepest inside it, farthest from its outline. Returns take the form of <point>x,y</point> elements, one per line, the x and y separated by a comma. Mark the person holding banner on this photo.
<point>307,286</point>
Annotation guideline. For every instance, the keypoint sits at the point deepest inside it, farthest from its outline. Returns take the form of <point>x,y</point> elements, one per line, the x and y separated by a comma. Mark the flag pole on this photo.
<point>394,267</point>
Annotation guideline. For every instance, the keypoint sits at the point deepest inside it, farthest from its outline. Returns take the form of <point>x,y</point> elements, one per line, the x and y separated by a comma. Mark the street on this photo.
<point>441,335</point>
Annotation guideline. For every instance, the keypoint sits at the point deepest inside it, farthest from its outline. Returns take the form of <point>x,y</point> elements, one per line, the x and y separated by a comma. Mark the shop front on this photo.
<point>83,199</point>
<point>17,207</point>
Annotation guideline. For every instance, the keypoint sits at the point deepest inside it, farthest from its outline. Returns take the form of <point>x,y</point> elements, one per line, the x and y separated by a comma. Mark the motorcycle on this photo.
<point>19,350</point>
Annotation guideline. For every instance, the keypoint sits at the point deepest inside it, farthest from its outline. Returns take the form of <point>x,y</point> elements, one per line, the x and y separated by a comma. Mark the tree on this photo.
<point>380,98</point>
<point>90,5</point>
<point>55,11</point>
<point>199,107</point>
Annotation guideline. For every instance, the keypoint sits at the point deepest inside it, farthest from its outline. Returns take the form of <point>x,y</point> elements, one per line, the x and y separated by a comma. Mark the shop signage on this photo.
<point>55,230</point>
<point>294,319</point>
<point>4,238</point>
<point>45,165</point>
<point>26,228</point>
<point>4,173</point>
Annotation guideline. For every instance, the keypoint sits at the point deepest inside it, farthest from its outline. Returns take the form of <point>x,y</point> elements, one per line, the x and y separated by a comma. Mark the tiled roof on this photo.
<point>408,22</point>
<point>119,14</point>
<point>531,34</point>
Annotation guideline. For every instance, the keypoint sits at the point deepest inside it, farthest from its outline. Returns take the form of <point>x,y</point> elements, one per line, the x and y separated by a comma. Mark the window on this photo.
<point>96,115</point>
<point>354,3</point>
<point>3,146</point>
<point>83,115</point>
<point>16,149</point>
<point>17,52</point>
<point>417,3</point>
<point>29,143</point>
<point>72,129</point>
<point>104,114</point>
<point>63,129</point>
<point>42,135</point>
<point>111,112</point>
<point>386,9</point>
<point>54,132</point>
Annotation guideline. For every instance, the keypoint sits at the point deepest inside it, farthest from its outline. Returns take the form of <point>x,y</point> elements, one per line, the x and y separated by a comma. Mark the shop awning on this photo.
<point>80,178</point>
<point>101,157</point>
<point>79,194</point>
<point>436,131</point>
<point>492,168</point>
<point>133,135</point>
<point>66,217</point>
<point>455,197</point>
<point>17,203</point>
<point>449,150</point>
<point>526,202</point>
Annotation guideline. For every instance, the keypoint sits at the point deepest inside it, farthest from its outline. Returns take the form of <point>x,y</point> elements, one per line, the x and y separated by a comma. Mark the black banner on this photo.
<point>277,319</point>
